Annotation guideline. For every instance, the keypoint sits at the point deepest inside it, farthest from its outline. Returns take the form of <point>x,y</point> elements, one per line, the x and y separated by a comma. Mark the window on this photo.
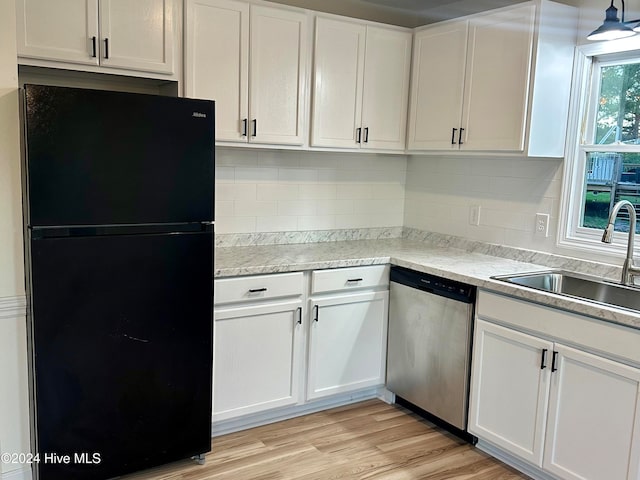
<point>604,166</point>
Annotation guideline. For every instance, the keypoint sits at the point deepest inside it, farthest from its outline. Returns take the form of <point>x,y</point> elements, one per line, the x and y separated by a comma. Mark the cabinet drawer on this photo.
<point>258,287</point>
<point>349,278</point>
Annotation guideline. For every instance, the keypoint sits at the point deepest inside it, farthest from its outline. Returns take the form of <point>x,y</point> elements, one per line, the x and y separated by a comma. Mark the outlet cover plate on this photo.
<point>542,224</point>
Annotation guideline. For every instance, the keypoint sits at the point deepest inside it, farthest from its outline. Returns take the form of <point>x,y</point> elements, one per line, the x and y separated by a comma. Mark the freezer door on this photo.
<point>122,351</point>
<point>100,158</point>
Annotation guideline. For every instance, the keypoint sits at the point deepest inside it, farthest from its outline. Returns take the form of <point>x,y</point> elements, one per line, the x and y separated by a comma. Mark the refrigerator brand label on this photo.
<point>199,115</point>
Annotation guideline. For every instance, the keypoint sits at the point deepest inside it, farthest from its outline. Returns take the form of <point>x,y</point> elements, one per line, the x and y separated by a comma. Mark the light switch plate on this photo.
<point>474,215</point>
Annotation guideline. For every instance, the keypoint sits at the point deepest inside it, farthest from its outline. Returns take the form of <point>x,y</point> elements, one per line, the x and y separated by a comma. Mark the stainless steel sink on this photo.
<point>578,286</point>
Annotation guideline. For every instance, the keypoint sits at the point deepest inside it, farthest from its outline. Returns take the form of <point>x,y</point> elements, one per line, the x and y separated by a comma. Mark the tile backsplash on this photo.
<point>440,192</point>
<point>261,191</point>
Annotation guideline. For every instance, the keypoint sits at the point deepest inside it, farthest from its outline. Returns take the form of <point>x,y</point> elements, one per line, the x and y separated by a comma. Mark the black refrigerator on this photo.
<point>119,210</point>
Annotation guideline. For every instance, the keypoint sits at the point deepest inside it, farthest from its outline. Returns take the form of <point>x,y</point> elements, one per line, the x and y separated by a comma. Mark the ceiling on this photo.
<point>408,13</point>
<point>429,11</point>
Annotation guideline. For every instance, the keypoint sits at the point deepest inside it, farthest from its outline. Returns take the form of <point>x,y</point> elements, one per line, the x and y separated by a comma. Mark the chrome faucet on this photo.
<point>629,270</point>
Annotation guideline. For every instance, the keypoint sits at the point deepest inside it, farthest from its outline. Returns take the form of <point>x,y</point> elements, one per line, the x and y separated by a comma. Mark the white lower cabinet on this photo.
<point>268,345</point>
<point>257,344</point>
<point>347,343</point>
<point>509,391</point>
<point>593,430</point>
<point>571,413</point>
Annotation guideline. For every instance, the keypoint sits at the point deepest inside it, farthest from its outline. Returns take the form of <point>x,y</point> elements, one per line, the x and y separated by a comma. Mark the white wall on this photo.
<point>274,191</point>
<point>14,431</point>
<point>509,191</point>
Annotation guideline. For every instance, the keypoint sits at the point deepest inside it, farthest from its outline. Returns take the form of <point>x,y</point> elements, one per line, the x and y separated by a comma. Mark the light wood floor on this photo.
<point>368,440</point>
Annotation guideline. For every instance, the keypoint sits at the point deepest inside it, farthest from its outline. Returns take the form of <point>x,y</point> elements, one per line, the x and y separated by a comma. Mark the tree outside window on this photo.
<point>611,150</point>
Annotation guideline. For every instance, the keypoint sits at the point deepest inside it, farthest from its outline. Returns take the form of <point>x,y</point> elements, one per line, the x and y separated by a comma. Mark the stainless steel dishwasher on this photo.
<point>429,345</point>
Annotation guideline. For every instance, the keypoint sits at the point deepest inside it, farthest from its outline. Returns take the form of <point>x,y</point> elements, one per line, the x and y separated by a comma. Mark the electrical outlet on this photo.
<point>542,224</point>
<point>474,215</point>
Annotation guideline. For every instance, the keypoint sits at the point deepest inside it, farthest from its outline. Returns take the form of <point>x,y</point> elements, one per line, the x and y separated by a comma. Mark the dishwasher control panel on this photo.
<point>433,284</point>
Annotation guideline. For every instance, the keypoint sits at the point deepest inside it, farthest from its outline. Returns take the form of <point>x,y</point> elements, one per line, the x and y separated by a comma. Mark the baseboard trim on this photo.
<point>264,418</point>
<point>11,307</point>
<point>23,473</point>
<point>520,465</point>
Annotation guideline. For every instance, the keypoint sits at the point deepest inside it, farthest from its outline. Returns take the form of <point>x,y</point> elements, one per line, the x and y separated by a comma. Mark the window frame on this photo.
<point>585,91</point>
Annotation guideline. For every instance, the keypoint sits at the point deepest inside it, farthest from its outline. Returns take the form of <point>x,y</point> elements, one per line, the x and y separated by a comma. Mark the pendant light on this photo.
<point>613,28</point>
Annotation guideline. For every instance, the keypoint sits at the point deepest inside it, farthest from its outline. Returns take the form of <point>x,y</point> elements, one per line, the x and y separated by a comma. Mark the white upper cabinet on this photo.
<point>217,62</point>
<point>107,33</point>
<point>386,88</point>
<point>252,60</point>
<point>63,30</point>
<point>439,59</point>
<point>337,95</point>
<point>278,79</point>
<point>497,80</point>
<point>494,82</point>
<point>361,85</point>
<point>137,35</point>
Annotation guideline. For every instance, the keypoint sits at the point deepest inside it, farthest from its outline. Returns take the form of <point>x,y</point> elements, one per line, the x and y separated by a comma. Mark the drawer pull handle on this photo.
<point>543,361</point>
<point>354,280</point>
<point>257,290</point>
<point>317,313</point>
<point>554,362</point>
<point>299,309</point>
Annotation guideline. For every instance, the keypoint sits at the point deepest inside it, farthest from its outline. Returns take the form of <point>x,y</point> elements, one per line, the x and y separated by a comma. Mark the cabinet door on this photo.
<point>509,390</point>
<point>593,425</point>
<point>386,88</point>
<point>437,87</point>
<point>217,62</point>
<point>278,71</point>
<point>256,358</point>
<point>497,80</point>
<point>339,70</point>
<point>347,343</point>
<point>137,35</point>
<point>62,30</point>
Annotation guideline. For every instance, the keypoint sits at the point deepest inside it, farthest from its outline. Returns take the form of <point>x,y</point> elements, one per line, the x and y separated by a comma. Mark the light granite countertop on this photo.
<point>453,263</point>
